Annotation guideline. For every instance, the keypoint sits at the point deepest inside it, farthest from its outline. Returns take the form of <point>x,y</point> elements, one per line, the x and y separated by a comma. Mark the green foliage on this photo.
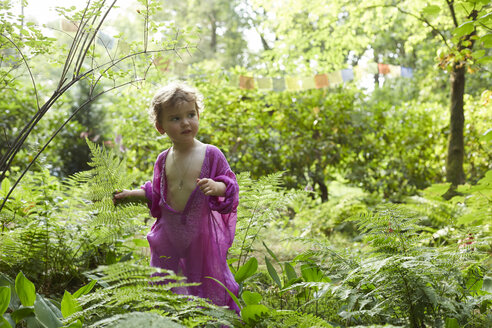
<point>261,202</point>
<point>34,310</point>
<point>54,231</point>
<point>129,288</point>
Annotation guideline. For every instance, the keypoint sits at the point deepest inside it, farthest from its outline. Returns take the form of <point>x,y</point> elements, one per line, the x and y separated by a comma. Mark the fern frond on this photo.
<point>130,287</point>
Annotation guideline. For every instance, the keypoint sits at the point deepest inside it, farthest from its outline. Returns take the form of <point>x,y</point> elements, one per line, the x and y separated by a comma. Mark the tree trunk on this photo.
<point>456,148</point>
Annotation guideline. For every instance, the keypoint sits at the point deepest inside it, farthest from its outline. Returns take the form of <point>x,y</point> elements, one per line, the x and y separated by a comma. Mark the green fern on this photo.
<point>261,203</point>
<point>109,173</point>
<point>128,289</point>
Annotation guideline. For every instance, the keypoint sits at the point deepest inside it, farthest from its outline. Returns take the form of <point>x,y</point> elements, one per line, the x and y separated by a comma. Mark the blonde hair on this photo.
<point>174,94</point>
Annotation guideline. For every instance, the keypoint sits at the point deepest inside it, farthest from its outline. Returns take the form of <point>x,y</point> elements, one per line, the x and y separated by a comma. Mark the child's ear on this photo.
<point>159,128</point>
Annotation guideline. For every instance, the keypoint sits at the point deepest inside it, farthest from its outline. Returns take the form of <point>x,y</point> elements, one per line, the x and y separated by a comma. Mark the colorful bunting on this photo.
<point>383,69</point>
<point>292,83</point>
<point>347,74</point>
<point>68,26</point>
<point>278,84</point>
<point>307,82</point>
<point>246,82</point>
<point>395,71</point>
<point>264,83</point>
<point>335,78</point>
<point>105,40</point>
<point>161,63</point>
<point>406,72</point>
<point>321,81</point>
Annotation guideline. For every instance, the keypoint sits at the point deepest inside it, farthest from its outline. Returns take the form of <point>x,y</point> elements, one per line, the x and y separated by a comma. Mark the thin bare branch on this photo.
<point>54,135</point>
<point>420,18</point>
<point>27,66</point>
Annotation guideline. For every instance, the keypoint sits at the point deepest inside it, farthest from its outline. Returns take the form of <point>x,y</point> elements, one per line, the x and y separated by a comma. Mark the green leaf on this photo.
<point>431,10</point>
<point>487,136</point>
<point>290,272</point>
<point>4,299</point>
<point>487,284</point>
<point>247,270</point>
<point>464,29</point>
<point>5,187</point>
<point>69,305</point>
<point>75,324</point>
<point>486,40</point>
<point>25,290</point>
<point>451,323</point>
<point>484,60</point>
<point>273,273</point>
<point>311,273</point>
<point>4,323</point>
<point>45,315</point>
<point>84,289</point>
<point>22,313</point>
<point>233,296</point>
<point>251,298</point>
<point>271,253</point>
<point>478,53</point>
<point>253,313</point>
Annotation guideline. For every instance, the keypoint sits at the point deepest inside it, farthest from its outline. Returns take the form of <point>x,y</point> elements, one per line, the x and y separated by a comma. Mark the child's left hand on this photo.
<point>210,187</point>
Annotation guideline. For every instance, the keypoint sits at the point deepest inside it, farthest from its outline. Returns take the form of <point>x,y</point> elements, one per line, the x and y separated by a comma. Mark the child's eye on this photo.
<point>175,119</point>
<point>192,115</point>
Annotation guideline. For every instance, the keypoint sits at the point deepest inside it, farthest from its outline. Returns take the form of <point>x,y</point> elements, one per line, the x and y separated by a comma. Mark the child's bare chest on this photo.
<point>181,177</point>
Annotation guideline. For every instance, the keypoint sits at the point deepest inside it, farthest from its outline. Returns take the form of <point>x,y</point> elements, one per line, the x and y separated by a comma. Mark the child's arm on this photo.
<point>129,196</point>
<point>212,188</point>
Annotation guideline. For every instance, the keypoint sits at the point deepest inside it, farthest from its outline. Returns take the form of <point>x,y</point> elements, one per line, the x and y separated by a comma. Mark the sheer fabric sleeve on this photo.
<point>221,172</point>
<point>153,188</point>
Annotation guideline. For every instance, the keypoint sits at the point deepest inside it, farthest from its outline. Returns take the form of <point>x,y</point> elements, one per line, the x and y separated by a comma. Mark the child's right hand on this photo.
<point>119,195</point>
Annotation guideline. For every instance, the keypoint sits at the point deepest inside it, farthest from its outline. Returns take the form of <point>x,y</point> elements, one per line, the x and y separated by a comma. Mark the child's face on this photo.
<point>180,123</point>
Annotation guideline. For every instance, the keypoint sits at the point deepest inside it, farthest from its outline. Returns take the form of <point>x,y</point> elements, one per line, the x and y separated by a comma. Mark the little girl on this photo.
<point>194,196</point>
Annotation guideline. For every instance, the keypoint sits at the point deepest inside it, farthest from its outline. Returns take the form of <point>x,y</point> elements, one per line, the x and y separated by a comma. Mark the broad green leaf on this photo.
<point>21,313</point>
<point>25,290</point>
<point>251,298</point>
<point>84,289</point>
<point>486,40</point>
<point>487,136</point>
<point>273,273</point>
<point>478,53</point>
<point>484,60</point>
<point>290,272</point>
<point>311,273</point>
<point>451,323</point>
<point>247,270</point>
<point>487,284</point>
<point>464,29</point>
<point>45,315</point>
<point>69,305</point>
<point>431,10</point>
<point>4,299</point>
<point>253,313</point>
<point>4,323</point>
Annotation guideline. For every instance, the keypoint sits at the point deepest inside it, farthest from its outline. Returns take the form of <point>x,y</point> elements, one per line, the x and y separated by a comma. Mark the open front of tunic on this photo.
<point>195,242</point>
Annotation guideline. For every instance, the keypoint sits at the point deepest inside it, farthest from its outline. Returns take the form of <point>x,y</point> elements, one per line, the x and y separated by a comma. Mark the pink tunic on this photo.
<point>195,242</point>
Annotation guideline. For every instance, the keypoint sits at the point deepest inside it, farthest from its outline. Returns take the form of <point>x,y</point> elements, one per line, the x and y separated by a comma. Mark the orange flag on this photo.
<point>383,69</point>
<point>246,82</point>
<point>321,81</point>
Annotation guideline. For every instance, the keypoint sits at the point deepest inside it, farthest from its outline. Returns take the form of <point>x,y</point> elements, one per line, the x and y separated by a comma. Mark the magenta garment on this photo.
<point>195,242</point>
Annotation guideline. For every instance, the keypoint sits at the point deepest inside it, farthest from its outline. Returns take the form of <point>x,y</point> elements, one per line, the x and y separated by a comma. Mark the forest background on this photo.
<point>363,203</point>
